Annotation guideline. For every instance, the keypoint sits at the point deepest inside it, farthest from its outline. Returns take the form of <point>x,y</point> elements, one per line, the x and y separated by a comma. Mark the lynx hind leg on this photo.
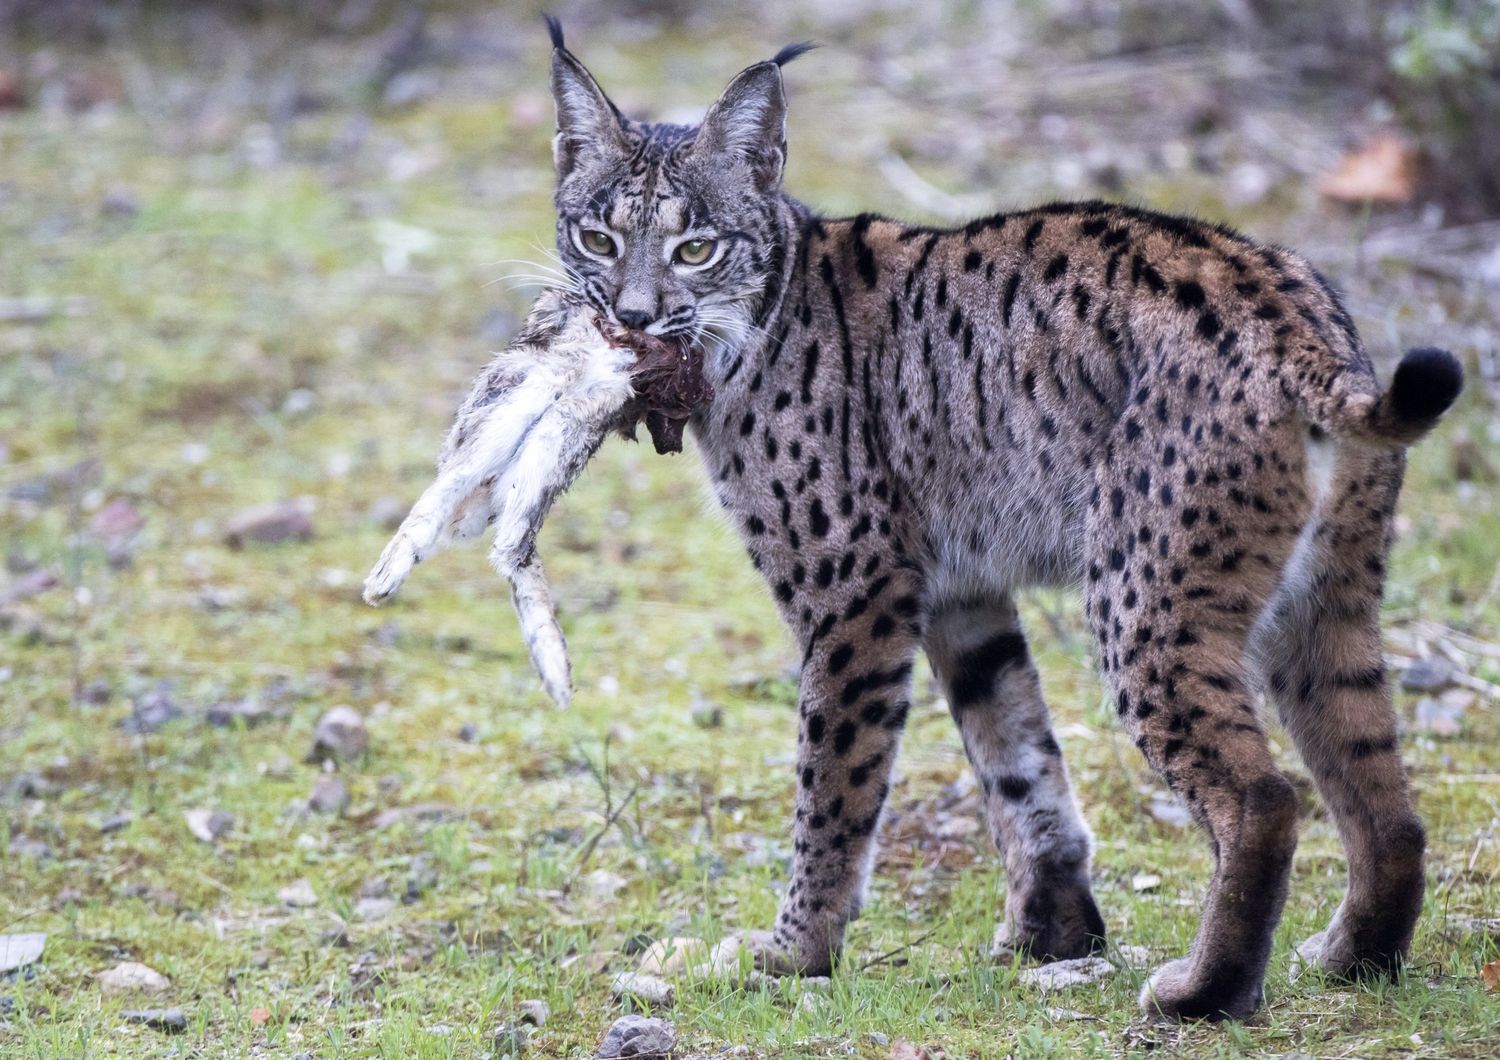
<point>979,653</point>
<point>1174,587</point>
<point>1320,652</point>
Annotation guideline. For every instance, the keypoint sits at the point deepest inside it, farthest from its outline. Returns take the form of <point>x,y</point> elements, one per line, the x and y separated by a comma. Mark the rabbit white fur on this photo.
<point>531,422</point>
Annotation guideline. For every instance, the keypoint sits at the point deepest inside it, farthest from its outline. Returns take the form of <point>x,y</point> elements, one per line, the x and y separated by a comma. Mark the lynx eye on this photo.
<point>695,251</point>
<point>597,242</point>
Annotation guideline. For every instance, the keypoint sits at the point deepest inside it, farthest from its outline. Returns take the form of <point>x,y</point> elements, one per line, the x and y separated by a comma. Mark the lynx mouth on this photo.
<point>669,383</point>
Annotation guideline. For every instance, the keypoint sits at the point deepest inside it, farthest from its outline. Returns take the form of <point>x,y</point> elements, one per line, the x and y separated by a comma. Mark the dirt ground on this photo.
<point>248,265</point>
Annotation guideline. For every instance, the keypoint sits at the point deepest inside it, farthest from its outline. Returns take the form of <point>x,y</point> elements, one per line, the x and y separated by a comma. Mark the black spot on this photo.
<point>975,670</point>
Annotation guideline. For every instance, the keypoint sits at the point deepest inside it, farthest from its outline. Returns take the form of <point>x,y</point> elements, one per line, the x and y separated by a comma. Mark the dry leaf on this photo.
<point>1383,170</point>
<point>1490,973</point>
<point>260,1015</point>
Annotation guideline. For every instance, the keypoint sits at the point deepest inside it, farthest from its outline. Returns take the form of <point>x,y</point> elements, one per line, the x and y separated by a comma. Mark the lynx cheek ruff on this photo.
<point>530,423</point>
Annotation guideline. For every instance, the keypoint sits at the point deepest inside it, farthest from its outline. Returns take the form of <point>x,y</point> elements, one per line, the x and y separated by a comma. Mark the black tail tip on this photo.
<point>1426,383</point>
<point>554,30</point>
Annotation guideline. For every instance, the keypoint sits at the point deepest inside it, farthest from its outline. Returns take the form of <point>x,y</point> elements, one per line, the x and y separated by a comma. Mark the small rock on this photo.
<point>298,894</point>
<point>31,849</point>
<point>31,785</point>
<point>1145,881</point>
<point>340,735</point>
<point>468,732</point>
<point>1444,714</point>
<point>602,883</point>
<point>209,825</point>
<point>387,512</point>
<point>422,878</point>
<point>878,1038</point>
<point>269,524</point>
<point>651,989</point>
<point>1168,810</point>
<point>1060,974</point>
<point>249,712</point>
<point>120,203</point>
<point>132,977</point>
<point>171,1020</point>
<point>638,1036</point>
<point>329,795</point>
<point>510,1039</point>
<point>535,1012</point>
<point>373,908</point>
<point>117,822</point>
<point>706,715</point>
<point>1470,464</point>
<point>1427,675</point>
<point>12,91</point>
<point>674,956</point>
<point>17,951</point>
<point>117,521</point>
<point>149,712</point>
<point>299,402</point>
<point>28,585</point>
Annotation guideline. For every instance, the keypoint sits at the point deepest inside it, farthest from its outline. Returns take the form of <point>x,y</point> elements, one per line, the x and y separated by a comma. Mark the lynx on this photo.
<point>910,424</point>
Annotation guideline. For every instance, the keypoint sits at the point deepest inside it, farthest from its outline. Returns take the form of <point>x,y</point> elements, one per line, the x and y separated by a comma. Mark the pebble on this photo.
<point>132,977</point>
<point>651,989</point>
<point>115,823</point>
<point>269,524</point>
<point>1145,881</point>
<point>1443,715</point>
<point>17,951</point>
<point>510,1039</point>
<point>1060,974</point>
<point>601,883</point>
<point>373,908</point>
<point>422,878</point>
<point>1427,675</point>
<point>148,713</point>
<point>329,795</point>
<point>673,956</point>
<point>387,512</point>
<point>33,849</point>
<point>535,1012</point>
<point>340,736</point>
<point>225,713</point>
<point>638,1036</point>
<point>171,1020</point>
<point>298,894</point>
<point>208,825</point>
<point>1168,810</point>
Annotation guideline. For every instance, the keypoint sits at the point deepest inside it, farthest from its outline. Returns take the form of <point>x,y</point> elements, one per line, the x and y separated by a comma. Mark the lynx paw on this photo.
<point>745,952</point>
<point>1178,991</point>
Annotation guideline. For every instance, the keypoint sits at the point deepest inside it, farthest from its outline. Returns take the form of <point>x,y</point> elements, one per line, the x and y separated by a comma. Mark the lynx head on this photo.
<point>671,229</point>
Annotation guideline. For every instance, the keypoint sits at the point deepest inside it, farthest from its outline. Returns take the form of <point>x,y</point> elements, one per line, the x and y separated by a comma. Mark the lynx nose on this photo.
<point>634,318</point>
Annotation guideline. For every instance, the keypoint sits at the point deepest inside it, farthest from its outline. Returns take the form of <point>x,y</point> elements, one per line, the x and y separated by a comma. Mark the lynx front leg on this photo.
<point>979,654</point>
<point>854,700</point>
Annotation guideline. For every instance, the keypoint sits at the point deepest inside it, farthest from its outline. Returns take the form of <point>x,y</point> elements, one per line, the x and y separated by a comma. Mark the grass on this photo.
<point>239,283</point>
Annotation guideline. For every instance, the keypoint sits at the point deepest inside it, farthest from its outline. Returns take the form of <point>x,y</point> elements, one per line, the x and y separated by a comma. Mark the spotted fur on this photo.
<point>911,424</point>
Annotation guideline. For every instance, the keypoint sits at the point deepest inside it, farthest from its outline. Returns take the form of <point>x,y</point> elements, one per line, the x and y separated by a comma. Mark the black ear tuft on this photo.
<point>1426,382</point>
<point>792,51</point>
<point>554,30</point>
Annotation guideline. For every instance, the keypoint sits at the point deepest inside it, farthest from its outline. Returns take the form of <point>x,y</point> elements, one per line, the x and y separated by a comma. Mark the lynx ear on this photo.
<point>586,119</point>
<point>749,122</point>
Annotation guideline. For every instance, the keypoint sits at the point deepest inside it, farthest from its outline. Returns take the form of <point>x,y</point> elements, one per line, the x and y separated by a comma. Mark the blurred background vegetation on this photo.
<point>250,255</point>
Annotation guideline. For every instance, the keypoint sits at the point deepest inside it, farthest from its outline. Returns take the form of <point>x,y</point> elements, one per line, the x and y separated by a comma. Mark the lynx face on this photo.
<point>670,228</point>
